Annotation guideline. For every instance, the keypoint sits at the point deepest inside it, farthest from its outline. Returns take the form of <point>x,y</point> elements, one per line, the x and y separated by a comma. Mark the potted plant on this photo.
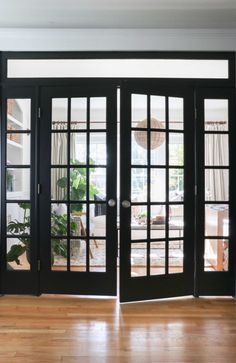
<point>58,221</point>
<point>22,229</point>
<point>78,185</point>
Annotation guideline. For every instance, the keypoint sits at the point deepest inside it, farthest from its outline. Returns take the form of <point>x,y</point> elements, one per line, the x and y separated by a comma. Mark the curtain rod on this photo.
<point>75,122</point>
<point>215,122</point>
<point>80,122</point>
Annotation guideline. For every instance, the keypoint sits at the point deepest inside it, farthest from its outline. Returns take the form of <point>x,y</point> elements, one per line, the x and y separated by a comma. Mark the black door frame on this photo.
<point>35,84</point>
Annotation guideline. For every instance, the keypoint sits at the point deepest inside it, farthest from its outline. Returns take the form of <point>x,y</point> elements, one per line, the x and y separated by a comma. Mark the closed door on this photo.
<point>77,180</point>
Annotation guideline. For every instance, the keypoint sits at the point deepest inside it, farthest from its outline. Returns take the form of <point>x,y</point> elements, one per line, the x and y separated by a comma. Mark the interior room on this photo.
<point>117,238</point>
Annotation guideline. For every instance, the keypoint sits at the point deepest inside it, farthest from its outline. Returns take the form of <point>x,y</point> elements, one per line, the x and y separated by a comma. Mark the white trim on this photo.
<point>117,39</point>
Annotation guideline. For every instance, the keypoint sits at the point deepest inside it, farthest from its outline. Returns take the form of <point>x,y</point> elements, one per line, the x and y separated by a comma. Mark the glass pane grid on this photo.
<point>154,226</point>
<point>18,185</point>
<point>216,162</point>
<point>81,179</point>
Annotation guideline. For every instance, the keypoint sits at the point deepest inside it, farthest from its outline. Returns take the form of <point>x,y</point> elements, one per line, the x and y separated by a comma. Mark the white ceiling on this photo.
<point>118,14</point>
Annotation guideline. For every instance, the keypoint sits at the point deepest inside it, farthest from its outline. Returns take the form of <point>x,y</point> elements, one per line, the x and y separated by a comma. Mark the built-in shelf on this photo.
<point>15,144</point>
<point>14,195</point>
<point>15,121</point>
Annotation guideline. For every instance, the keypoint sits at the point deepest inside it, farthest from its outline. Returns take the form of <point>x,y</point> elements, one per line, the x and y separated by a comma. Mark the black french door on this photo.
<point>157,193</point>
<point>59,191</point>
<point>77,182</point>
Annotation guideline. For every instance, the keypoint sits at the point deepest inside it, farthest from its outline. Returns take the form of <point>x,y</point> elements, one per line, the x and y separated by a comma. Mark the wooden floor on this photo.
<point>73,329</point>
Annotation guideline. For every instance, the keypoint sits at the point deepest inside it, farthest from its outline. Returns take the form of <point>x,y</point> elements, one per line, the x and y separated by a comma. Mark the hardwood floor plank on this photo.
<point>68,329</point>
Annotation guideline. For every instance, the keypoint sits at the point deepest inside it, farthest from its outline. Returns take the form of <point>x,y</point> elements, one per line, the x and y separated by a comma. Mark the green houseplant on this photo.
<point>78,184</point>
<point>22,229</point>
<point>58,222</point>
<point>58,227</point>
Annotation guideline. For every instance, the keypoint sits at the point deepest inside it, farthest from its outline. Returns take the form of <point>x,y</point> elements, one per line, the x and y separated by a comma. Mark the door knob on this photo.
<point>125,204</point>
<point>111,202</point>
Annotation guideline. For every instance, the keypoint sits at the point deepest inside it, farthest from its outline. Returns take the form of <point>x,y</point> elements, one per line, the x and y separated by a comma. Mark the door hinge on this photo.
<point>39,112</point>
<point>195,190</point>
<point>195,113</point>
<point>39,265</point>
<point>39,189</point>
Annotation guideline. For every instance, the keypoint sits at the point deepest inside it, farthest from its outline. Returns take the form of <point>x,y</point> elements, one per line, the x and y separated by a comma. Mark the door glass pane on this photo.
<point>216,255</point>
<point>18,114</point>
<point>216,115</point>
<point>176,149</point>
<point>176,220</point>
<point>157,258</point>
<point>216,150</point>
<point>18,253</point>
<point>138,259</point>
<point>59,113</point>
<point>18,218</point>
<point>78,219</point>
<point>139,147</point>
<point>59,254</point>
<point>18,183</point>
<point>216,219</point>
<point>176,257</point>
<point>176,113</point>
<point>97,255</point>
<point>78,148</point>
<point>97,220</point>
<point>138,185</point>
<point>78,184</point>
<point>58,219</point>
<point>98,113</point>
<point>97,184</point>
<point>77,255</point>
<point>59,148</point>
<point>18,149</point>
<point>158,109</point>
<point>158,151</point>
<point>78,113</point>
<point>217,185</point>
<point>139,110</point>
<point>158,221</point>
<point>98,149</point>
<point>158,185</point>
<point>176,185</point>
<point>58,184</point>
<point>138,222</point>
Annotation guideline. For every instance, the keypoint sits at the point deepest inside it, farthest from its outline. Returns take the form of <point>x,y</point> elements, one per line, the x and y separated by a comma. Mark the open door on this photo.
<point>157,192</point>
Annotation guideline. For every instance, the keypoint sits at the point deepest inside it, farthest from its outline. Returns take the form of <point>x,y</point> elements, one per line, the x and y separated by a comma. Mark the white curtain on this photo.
<point>59,157</point>
<point>216,153</point>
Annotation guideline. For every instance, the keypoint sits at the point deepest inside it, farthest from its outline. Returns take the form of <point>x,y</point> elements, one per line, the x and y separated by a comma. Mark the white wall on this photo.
<point>117,39</point>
